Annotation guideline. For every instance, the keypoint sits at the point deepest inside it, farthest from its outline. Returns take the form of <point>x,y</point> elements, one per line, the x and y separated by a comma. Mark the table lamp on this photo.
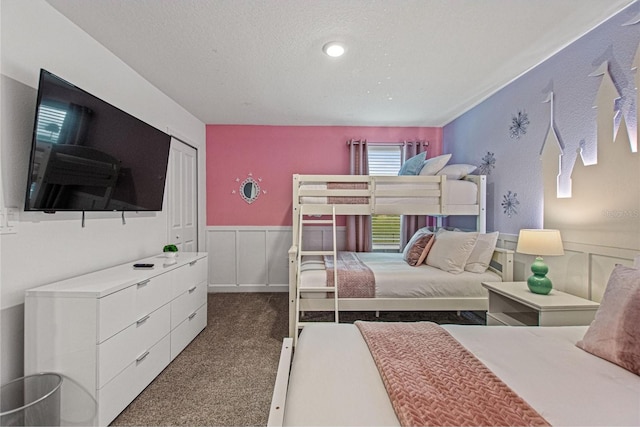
<point>539,243</point>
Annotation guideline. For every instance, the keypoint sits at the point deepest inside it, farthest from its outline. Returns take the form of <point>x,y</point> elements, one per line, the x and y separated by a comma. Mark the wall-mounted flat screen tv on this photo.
<point>87,155</point>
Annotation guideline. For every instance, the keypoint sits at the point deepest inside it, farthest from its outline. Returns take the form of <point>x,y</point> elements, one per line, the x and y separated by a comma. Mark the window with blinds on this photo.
<point>385,160</point>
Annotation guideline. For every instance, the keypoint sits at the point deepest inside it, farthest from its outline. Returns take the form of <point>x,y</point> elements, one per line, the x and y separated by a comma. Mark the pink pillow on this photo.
<point>416,250</point>
<point>613,334</point>
<point>425,251</point>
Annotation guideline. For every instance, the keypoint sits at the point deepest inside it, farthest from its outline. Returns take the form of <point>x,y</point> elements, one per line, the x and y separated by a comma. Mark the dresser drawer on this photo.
<point>187,303</point>
<point>152,327</point>
<point>152,294</point>
<point>119,392</point>
<point>116,311</point>
<point>188,275</point>
<point>187,330</point>
<point>149,367</point>
<point>120,309</point>
<point>116,353</point>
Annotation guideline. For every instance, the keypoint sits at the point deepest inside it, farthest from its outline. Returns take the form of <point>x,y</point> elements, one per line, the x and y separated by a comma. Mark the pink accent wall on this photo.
<point>272,154</point>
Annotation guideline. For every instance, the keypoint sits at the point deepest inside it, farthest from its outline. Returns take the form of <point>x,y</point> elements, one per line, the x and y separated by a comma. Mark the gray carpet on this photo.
<point>225,376</point>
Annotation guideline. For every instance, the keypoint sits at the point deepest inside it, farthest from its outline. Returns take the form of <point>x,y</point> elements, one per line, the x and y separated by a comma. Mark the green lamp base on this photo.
<point>539,283</point>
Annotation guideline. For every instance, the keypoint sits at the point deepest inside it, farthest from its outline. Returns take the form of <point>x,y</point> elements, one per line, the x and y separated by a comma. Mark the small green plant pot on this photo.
<point>170,251</point>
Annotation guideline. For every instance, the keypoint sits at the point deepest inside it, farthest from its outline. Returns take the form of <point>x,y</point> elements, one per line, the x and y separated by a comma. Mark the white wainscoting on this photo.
<point>583,270</point>
<point>255,258</point>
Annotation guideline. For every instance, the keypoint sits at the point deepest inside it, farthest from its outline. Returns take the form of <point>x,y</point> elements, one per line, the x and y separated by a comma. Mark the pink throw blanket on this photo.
<point>347,200</point>
<point>433,380</point>
<point>355,279</point>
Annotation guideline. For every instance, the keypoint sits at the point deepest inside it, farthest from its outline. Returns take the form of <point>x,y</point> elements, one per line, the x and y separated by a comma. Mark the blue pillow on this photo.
<point>413,165</point>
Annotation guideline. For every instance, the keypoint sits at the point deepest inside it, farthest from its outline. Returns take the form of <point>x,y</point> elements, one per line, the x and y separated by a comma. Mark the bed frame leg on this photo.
<point>377,313</point>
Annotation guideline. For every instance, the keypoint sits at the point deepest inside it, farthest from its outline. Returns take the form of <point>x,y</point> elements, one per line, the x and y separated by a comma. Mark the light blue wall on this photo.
<point>486,128</point>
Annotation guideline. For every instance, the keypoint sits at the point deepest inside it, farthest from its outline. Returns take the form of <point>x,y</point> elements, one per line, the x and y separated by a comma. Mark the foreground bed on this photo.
<point>351,374</point>
<point>334,380</point>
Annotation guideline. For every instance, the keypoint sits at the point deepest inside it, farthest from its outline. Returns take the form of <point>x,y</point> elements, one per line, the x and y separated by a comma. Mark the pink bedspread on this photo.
<point>432,380</point>
<point>355,279</point>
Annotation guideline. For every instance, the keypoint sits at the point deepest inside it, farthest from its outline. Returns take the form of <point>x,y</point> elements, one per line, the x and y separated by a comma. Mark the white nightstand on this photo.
<point>513,304</point>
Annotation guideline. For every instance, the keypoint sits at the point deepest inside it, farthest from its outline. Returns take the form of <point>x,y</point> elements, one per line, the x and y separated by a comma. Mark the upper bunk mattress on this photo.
<point>397,279</point>
<point>457,192</point>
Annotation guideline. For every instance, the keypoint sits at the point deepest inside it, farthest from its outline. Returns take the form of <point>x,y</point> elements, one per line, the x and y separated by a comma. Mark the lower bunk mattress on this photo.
<point>394,278</point>
<point>334,379</point>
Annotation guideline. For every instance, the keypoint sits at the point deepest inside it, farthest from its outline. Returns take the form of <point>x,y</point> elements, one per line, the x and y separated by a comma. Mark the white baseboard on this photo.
<point>247,288</point>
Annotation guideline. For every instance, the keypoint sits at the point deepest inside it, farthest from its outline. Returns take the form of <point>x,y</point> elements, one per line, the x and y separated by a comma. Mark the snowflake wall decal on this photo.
<point>510,203</point>
<point>488,162</point>
<point>519,124</point>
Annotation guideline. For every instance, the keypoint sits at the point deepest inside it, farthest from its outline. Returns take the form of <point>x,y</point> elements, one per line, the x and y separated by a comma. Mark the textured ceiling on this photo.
<point>408,62</point>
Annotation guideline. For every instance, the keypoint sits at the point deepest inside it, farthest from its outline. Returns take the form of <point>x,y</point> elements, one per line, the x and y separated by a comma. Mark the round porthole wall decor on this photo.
<point>249,190</point>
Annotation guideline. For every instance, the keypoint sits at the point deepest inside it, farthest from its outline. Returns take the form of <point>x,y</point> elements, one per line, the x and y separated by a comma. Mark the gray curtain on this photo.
<point>409,224</point>
<point>358,227</point>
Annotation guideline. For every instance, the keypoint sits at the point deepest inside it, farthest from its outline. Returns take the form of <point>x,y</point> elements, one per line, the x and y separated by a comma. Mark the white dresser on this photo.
<point>114,330</point>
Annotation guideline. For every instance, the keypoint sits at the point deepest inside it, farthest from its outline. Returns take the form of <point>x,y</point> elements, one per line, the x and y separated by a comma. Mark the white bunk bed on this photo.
<point>334,195</point>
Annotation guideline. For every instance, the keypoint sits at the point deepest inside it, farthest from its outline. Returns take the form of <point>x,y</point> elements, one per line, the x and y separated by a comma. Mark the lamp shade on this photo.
<point>540,242</point>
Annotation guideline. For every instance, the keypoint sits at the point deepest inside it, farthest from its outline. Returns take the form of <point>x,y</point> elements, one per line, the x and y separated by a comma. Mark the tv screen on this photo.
<point>87,155</point>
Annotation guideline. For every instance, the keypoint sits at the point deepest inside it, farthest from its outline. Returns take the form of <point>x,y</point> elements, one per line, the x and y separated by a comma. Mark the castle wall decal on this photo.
<point>595,199</point>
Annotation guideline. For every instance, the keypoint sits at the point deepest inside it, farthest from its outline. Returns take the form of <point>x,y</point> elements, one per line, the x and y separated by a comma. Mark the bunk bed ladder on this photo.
<point>334,252</point>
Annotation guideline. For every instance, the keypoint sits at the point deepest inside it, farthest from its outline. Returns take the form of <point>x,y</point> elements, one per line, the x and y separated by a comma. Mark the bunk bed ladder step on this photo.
<point>316,253</point>
<point>333,290</point>
<point>317,221</point>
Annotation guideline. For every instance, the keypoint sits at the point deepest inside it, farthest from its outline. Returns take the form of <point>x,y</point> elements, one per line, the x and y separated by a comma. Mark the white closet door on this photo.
<point>182,197</point>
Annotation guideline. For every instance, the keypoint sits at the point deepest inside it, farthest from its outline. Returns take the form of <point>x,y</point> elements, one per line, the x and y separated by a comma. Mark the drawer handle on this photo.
<point>192,263</point>
<point>144,282</point>
<point>142,356</point>
<point>191,289</point>
<point>144,319</point>
<point>192,315</point>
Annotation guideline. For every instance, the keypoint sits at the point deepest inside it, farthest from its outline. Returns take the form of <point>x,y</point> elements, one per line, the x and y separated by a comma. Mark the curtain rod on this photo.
<point>358,142</point>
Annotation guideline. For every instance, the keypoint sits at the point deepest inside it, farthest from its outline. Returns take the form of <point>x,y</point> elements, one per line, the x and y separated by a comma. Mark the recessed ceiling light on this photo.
<point>333,49</point>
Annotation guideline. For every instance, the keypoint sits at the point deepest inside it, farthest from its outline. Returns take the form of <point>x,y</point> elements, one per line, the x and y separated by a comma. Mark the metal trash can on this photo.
<point>33,400</point>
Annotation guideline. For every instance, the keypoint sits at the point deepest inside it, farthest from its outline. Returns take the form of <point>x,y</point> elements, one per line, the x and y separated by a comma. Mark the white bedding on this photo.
<point>334,380</point>
<point>458,192</point>
<point>397,279</point>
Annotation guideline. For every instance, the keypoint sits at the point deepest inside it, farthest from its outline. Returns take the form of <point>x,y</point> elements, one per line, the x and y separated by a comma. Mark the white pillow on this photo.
<point>482,252</point>
<point>433,166</point>
<point>413,165</point>
<point>458,171</point>
<point>451,250</point>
